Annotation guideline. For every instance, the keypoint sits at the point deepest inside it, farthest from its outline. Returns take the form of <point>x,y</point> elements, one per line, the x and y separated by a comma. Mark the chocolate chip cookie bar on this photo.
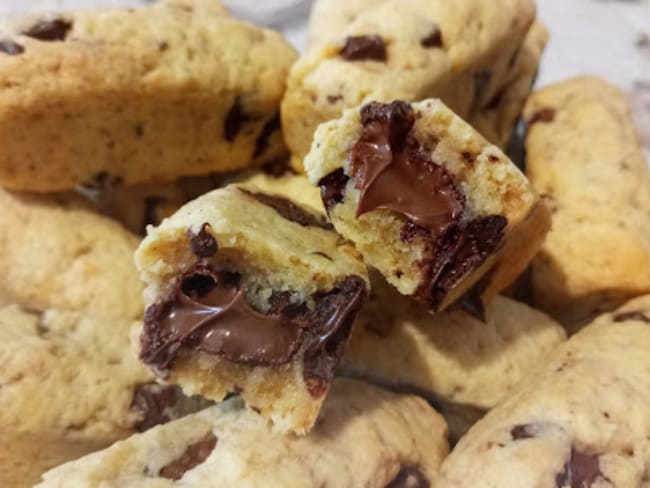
<point>581,421</point>
<point>462,364</point>
<point>364,437</point>
<point>137,95</point>
<point>68,386</point>
<point>249,293</point>
<point>461,52</point>
<point>585,158</point>
<point>57,252</point>
<point>426,200</point>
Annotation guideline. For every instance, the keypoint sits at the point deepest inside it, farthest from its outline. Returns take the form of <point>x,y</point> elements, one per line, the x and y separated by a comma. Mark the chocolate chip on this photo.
<point>235,119</point>
<point>493,159</point>
<point>10,47</point>
<point>194,455</point>
<point>262,142</point>
<point>522,431</point>
<point>289,210</point>
<point>434,39</point>
<point>581,471</point>
<point>468,157</point>
<point>634,315</point>
<point>409,477</point>
<point>203,244</point>
<point>49,30</point>
<point>155,404</point>
<point>334,98</point>
<point>545,115</point>
<point>364,48</point>
<point>278,167</point>
<point>332,188</point>
<point>163,46</point>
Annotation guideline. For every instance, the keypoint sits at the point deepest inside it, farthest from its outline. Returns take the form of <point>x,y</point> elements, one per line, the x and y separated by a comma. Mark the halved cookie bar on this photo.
<point>365,436</point>
<point>247,292</point>
<point>426,200</point>
<point>69,386</point>
<point>584,157</point>
<point>137,95</point>
<point>463,365</point>
<point>582,420</point>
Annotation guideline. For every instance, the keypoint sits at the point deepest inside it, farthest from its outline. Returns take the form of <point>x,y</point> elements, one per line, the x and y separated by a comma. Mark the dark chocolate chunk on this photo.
<point>278,167</point>
<point>330,327</point>
<point>235,119</point>
<point>50,30</point>
<point>203,244</point>
<point>194,455</point>
<point>289,210</point>
<point>522,431</point>
<point>207,311</point>
<point>409,477</point>
<point>155,404</point>
<point>262,142</point>
<point>434,39</point>
<point>364,48</point>
<point>545,115</point>
<point>10,47</point>
<point>635,315</point>
<point>332,188</point>
<point>151,204</point>
<point>581,471</point>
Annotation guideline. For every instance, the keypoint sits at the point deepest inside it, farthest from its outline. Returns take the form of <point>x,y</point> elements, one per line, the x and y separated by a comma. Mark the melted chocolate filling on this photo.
<point>289,210</point>
<point>393,171</point>
<point>208,312</point>
<point>364,48</point>
<point>194,455</point>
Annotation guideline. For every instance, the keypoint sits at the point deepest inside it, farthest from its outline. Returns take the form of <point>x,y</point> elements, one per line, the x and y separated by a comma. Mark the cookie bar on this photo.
<point>247,292</point>
<point>463,365</point>
<point>426,200</point>
<point>56,252</point>
<point>137,95</point>
<point>585,158</point>
<point>364,437</point>
<point>68,386</point>
<point>497,120</point>
<point>460,52</point>
<point>581,421</point>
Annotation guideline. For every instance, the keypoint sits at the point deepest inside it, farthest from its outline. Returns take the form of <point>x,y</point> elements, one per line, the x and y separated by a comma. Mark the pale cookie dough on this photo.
<point>582,421</point>
<point>69,386</point>
<point>56,252</point>
<point>365,437</point>
<point>249,293</point>
<point>585,158</point>
<point>410,50</point>
<point>137,95</point>
<point>461,364</point>
<point>426,200</point>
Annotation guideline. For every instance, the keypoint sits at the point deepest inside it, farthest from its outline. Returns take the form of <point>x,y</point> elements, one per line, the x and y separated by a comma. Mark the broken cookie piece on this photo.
<point>426,200</point>
<point>248,292</point>
<point>365,437</point>
<point>580,421</point>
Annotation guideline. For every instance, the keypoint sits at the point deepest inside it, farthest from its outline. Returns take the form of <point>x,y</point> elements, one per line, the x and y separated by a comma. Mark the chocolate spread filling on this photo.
<point>364,48</point>
<point>394,171</point>
<point>194,455</point>
<point>289,210</point>
<point>409,477</point>
<point>207,311</point>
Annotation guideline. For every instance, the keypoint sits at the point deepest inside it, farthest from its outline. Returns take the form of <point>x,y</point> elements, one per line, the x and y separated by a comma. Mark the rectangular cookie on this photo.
<point>582,420</point>
<point>585,158</point>
<point>366,437</point>
<point>174,89</point>
<point>426,200</point>
<point>461,52</point>
<point>249,293</point>
<point>463,365</point>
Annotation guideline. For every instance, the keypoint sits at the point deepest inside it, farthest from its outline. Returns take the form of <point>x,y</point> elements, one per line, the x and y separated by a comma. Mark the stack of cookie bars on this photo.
<point>224,265</point>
